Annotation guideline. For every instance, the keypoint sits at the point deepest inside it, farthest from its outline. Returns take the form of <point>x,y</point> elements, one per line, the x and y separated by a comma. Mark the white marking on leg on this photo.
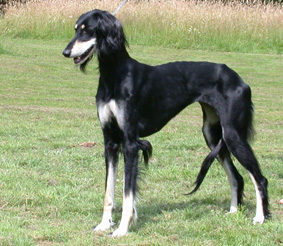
<point>233,186</point>
<point>259,216</point>
<point>233,183</point>
<point>211,119</point>
<point>109,203</point>
<point>129,213</point>
<point>79,48</point>
<point>106,111</point>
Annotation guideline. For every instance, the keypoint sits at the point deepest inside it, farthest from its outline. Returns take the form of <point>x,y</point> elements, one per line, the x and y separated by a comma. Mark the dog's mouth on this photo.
<point>82,58</point>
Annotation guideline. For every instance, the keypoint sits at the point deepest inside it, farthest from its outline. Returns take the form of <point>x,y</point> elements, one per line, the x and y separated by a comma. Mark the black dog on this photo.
<point>136,100</point>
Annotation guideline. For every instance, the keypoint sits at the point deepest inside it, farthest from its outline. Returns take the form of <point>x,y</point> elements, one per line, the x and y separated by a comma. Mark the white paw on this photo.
<point>103,226</point>
<point>233,210</point>
<point>119,233</point>
<point>258,219</point>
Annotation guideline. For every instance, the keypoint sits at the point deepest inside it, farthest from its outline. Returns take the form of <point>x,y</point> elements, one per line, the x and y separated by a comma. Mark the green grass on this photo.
<point>51,189</point>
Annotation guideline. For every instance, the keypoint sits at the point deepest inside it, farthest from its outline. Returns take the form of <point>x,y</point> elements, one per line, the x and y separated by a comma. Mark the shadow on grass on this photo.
<point>193,210</point>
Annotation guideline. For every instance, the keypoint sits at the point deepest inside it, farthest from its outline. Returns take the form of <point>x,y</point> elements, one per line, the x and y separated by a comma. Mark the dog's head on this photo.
<point>95,32</point>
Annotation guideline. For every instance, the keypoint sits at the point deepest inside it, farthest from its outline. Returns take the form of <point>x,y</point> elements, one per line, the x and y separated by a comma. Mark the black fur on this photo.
<point>150,96</point>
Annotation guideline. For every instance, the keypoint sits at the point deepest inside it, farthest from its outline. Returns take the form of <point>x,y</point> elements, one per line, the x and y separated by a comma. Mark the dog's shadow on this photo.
<point>192,210</point>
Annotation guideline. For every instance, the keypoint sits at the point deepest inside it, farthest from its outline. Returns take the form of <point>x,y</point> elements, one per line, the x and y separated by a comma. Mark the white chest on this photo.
<point>110,110</point>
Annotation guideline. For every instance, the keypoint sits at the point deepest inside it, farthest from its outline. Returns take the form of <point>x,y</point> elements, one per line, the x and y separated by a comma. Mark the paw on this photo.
<point>258,219</point>
<point>103,226</point>
<point>233,210</point>
<point>118,233</point>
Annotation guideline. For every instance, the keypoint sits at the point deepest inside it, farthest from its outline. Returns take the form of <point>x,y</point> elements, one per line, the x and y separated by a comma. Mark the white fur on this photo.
<point>106,111</point>
<point>109,204</point>
<point>79,48</point>
<point>259,216</point>
<point>127,215</point>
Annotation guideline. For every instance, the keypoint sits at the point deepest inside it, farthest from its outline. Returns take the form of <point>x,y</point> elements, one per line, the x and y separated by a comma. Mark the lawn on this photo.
<point>51,187</point>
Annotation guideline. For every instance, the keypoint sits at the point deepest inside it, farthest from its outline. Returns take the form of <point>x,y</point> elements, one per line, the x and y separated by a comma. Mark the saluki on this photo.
<point>135,100</point>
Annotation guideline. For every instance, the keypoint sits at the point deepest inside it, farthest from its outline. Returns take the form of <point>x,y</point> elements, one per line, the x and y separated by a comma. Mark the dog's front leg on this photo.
<point>111,158</point>
<point>130,151</point>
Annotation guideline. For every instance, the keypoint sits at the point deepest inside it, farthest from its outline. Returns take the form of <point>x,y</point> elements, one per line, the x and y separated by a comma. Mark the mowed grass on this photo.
<point>52,188</point>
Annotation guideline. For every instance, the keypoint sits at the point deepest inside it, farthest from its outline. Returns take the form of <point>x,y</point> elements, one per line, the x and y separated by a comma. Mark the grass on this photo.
<point>205,25</point>
<point>52,188</point>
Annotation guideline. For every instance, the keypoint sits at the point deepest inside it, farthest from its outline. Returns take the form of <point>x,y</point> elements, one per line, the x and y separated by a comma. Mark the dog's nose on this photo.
<point>67,52</point>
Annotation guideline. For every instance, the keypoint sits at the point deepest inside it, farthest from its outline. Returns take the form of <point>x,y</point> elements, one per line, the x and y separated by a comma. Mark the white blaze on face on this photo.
<point>80,48</point>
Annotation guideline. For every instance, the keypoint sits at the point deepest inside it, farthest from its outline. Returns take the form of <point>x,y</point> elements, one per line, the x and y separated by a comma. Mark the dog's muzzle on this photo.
<point>80,51</point>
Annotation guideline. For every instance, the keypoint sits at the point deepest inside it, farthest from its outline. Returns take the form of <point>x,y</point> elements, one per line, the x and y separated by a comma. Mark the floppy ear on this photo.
<point>110,36</point>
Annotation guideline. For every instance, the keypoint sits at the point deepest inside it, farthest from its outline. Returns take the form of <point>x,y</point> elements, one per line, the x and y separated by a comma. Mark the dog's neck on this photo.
<point>109,63</point>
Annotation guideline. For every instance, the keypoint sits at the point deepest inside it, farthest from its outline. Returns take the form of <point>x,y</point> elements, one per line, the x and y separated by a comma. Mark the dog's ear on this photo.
<point>110,36</point>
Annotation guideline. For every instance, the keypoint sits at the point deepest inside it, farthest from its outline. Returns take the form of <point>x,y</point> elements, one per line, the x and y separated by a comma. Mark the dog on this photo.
<point>135,100</point>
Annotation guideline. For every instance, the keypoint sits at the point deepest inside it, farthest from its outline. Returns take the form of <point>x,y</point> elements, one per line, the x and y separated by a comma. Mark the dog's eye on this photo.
<point>84,28</point>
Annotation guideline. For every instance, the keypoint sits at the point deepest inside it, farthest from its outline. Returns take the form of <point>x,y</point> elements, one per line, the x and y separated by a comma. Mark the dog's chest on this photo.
<point>109,110</point>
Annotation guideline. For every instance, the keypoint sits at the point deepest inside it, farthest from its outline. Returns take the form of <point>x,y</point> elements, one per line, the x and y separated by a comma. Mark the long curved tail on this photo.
<point>206,165</point>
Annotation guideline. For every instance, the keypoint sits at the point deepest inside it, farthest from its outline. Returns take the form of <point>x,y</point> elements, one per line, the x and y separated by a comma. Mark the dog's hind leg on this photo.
<point>111,159</point>
<point>237,128</point>
<point>212,132</point>
<point>235,179</point>
<point>241,149</point>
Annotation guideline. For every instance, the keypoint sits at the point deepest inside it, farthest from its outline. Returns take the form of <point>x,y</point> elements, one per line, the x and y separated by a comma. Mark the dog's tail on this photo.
<point>146,149</point>
<point>206,165</point>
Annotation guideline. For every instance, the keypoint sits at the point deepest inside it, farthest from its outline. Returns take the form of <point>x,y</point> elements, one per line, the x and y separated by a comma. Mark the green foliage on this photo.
<point>52,188</point>
<point>175,24</point>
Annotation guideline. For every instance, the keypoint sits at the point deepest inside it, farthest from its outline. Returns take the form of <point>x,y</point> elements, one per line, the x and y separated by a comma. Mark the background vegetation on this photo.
<point>209,25</point>
<point>51,186</point>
